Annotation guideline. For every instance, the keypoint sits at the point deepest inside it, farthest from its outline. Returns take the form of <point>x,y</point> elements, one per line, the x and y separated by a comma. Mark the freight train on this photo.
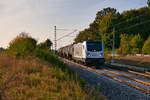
<point>87,52</point>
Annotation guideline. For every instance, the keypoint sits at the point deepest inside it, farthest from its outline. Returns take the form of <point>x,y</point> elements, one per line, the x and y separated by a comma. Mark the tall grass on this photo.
<point>28,72</point>
<point>48,56</point>
<point>33,79</point>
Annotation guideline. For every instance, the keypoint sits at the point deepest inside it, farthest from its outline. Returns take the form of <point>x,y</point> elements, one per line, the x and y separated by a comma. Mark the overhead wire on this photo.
<point>66,35</point>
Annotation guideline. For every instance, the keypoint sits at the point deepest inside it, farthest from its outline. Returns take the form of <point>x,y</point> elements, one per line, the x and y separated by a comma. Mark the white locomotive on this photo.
<point>87,52</point>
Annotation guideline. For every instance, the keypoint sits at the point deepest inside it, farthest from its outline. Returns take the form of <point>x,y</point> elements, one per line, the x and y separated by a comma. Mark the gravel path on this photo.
<point>113,90</point>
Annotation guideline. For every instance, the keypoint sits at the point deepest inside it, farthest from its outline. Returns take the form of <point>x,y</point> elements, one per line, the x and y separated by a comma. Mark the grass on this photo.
<point>41,77</point>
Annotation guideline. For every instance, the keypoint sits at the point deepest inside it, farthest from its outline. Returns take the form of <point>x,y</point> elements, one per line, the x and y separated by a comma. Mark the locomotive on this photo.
<point>87,52</point>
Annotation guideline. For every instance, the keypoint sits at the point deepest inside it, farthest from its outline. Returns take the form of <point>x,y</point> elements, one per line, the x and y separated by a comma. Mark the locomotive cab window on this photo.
<point>94,46</point>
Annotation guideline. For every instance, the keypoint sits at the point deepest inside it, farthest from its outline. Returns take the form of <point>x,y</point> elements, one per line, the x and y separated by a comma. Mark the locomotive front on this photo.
<point>94,53</point>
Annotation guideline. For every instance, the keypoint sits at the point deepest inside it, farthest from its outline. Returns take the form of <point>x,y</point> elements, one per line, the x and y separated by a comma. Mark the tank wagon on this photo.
<point>66,51</point>
<point>87,52</point>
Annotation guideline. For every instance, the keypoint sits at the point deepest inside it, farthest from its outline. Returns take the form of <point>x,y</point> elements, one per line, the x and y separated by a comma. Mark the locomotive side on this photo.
<point>87,52</point>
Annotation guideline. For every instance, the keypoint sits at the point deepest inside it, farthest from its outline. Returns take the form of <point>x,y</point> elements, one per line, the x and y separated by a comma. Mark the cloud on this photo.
<point>39,16</point>
<point>1,7</point>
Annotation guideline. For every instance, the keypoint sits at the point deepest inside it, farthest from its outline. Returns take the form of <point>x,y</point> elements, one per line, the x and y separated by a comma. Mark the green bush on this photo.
<point>46,44</point>
<point>47,55</point>
<point>22,45</point>
<point>146,46</point>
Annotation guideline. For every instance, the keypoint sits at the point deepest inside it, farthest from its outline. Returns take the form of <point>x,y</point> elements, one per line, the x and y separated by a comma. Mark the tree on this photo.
<point>46,44</point>
<point>146,46</point>
<point>106,29</point>
<point>132,22</point>
<point>2,49</point>
<point>125,44</point>
<point>85,35</point>
<point>92,33</point>
<point>22,45</point>
<point>101,14</point>
<point>148,2</point>
<point>136,44</point>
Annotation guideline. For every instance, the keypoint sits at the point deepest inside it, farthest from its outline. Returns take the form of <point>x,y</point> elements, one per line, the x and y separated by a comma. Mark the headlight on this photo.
<point>101,54</point>
<point>89,55</point>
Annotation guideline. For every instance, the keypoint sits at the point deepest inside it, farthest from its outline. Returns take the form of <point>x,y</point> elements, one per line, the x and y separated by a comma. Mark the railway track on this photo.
<point>138,84</point>
<point>144,74</point>
<point>130,78</point>
<point>147,75</point>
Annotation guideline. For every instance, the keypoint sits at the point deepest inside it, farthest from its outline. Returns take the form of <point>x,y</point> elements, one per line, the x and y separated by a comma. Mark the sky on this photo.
<point>38,17</point>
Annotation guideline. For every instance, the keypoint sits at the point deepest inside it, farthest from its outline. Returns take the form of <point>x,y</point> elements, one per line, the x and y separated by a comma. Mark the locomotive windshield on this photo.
<point>94,46</point>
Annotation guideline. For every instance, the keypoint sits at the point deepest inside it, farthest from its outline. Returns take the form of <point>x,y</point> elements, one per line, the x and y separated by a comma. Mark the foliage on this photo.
<point>101,14</point>
<point>131,22</point>
<point>106,29</point>
<point>1,49</point>
<point>86,35</point>
<point>148,2</point>
<point>46,55</point>
<point>22,45</point>
<point>46,44</point>
<point>136,44</point>
<point>146,46</point>
<point>125,47</point>
<point>92,33</point>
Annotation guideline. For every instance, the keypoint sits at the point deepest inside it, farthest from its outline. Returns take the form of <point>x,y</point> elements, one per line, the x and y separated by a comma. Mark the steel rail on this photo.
<point>134,79</point>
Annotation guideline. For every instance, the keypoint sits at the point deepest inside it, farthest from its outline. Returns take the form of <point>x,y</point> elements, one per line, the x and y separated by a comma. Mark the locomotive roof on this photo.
<point>77,43</point>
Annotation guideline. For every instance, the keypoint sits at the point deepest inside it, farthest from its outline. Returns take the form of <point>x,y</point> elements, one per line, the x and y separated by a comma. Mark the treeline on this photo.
<point>23,45</point>
<point>131,29</point>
